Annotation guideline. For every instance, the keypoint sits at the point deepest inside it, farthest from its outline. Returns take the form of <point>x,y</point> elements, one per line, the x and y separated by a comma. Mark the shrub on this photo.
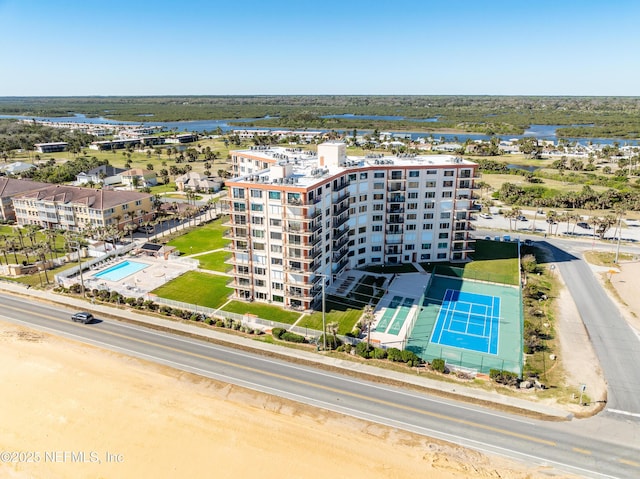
<point>363,350</point>
<point>292,337</point>
<point>394,354</point>
<point>504,377</point>
<point>278,332</point>
<point>379,353</point>
<point>438,365</point>
<point>220,323</point>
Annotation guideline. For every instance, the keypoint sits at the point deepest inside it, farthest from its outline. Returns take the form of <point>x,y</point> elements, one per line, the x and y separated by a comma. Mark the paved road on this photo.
<point>567,446</point>
<point>615,343</point>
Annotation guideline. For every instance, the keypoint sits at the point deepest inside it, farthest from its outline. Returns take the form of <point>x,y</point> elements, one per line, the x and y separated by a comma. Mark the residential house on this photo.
<point>144,178</point>
<point>103,174</point>
<point>193,181</point>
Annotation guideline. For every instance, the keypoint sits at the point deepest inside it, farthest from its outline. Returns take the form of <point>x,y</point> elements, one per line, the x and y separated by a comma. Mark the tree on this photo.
<point>367,322</point>
<point>333,327</point>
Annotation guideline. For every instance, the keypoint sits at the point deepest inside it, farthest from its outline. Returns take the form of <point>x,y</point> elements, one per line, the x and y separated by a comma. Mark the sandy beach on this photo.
<point>70,410</point>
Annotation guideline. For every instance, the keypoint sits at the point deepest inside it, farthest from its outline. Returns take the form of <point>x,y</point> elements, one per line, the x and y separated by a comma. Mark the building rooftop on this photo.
<point>97,199</point>
<point>302,168</point>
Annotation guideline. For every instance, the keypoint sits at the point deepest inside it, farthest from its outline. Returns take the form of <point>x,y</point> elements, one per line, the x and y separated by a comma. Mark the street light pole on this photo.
<point>324,326</point>
<point>619,236</point>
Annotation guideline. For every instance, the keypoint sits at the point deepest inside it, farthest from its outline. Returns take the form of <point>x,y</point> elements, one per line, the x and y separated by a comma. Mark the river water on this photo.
<point>541,132</point>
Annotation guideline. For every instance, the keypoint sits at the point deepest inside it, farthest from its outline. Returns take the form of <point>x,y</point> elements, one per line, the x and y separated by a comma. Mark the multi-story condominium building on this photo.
<point>11,187</point>
<point>299,217</point>
<point>75,209</point>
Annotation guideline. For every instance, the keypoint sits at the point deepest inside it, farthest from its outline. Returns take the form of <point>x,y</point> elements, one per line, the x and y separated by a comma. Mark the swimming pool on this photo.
<point>120,270</point>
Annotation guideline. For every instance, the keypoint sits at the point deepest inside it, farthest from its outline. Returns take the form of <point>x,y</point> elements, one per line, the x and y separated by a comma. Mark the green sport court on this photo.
<point>470,324</point>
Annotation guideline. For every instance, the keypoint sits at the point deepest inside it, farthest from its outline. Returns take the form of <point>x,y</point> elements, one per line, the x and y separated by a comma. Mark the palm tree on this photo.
<point>50,235</point>
<point>333,327</point>
<point>41,251</point>
<point>367,320</point>
<point>552,217</point>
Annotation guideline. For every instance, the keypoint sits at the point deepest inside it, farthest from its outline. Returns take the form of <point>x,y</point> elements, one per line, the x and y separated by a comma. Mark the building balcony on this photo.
<point>396,199</point>
<point>337,222</point>
<point>395,219</point>
<point>240,284</point>
<point>338,210</point>
<point>394,210</point>
<point>341,186</point>
<point>337,233</point>
<point>339,243</point>
<point>337,268</point>
<point>336,257</point>
<point>299,244</point>
<point>299,294</point>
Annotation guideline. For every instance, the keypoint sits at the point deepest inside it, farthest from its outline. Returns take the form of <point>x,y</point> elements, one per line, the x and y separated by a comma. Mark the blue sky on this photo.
<point>210,47</point>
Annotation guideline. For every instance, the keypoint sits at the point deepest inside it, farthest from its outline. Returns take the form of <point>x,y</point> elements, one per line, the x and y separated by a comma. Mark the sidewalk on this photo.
<point>197,329</point>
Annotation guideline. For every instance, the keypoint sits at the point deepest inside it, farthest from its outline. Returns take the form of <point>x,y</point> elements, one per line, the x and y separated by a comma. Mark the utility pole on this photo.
<point>619,236</point>
<point>324,324</point>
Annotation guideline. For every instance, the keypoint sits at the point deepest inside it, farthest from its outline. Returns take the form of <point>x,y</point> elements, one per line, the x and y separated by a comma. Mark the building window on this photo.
<point>448,173</point>
<point>412,206</point>
<point>378,207</point>
<point>274,195</point>
<point>376,228</point>
<point>432,172</point>
<point>256,193</point>
<point>362,250</point>
<point>445,215</point>
<point>409,247</point>
<point>362,209</point>
<point>376,249</point>
<point>275,222</point>
<point>378,186</point>
<point>442,255</point>
<point>256,207</point>
<point>444,226</point>
<point>411,227</point>
<point>396,175</point>
<point>378,196</point>
<point>443,245</point>
<point>275,285</point>
<point>352,177</point>
<point>414,174</point>
<point>363,176</point>
<point>362,230</point>
<point>443,235</point>
<point>426,245</point>
<point>362,198</point>
<point>427,216</point>
<point>412,216</point>
<point>447,184</point>
<point>425,256</point>
<point>412,195</point>
<point>238,193</point>
<point>446,194</point>
<point>378,174</point>
<point>427,226</point>
<point>376,218</point>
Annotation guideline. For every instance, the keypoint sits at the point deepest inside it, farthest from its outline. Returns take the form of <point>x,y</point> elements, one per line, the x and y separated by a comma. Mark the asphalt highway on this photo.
<point>598,447</point>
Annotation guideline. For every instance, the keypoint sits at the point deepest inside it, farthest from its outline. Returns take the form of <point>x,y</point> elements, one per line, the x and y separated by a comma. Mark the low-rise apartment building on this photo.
<point>299,217</point>
<point>76,209</point>
<point>10,188</point>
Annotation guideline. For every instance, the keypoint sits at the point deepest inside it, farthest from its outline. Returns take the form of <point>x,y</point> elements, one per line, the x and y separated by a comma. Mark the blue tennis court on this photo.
<point>469,321</point>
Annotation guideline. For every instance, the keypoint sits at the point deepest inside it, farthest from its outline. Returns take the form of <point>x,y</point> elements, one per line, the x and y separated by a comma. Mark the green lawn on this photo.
<point>197,288</point>
<point>264,311</point>
<point>335,311</point>
<point>215,261</point>
<point>204,238</point>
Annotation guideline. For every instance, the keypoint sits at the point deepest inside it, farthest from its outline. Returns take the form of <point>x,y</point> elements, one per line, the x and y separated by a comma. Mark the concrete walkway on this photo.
<point>199,329</point>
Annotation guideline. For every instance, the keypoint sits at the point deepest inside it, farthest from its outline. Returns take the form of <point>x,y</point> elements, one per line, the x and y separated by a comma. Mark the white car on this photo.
<point>486,216</point>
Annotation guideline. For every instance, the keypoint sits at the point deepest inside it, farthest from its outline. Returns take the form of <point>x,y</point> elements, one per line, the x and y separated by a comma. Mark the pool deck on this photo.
<point>158,272</point>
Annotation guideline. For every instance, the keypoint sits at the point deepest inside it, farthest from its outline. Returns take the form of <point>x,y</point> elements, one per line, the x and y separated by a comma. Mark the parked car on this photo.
<point>145,229</point>
<point>486,216</point>
<point>82,317</point>
<point>522,218</point>
<point>584,225</point>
